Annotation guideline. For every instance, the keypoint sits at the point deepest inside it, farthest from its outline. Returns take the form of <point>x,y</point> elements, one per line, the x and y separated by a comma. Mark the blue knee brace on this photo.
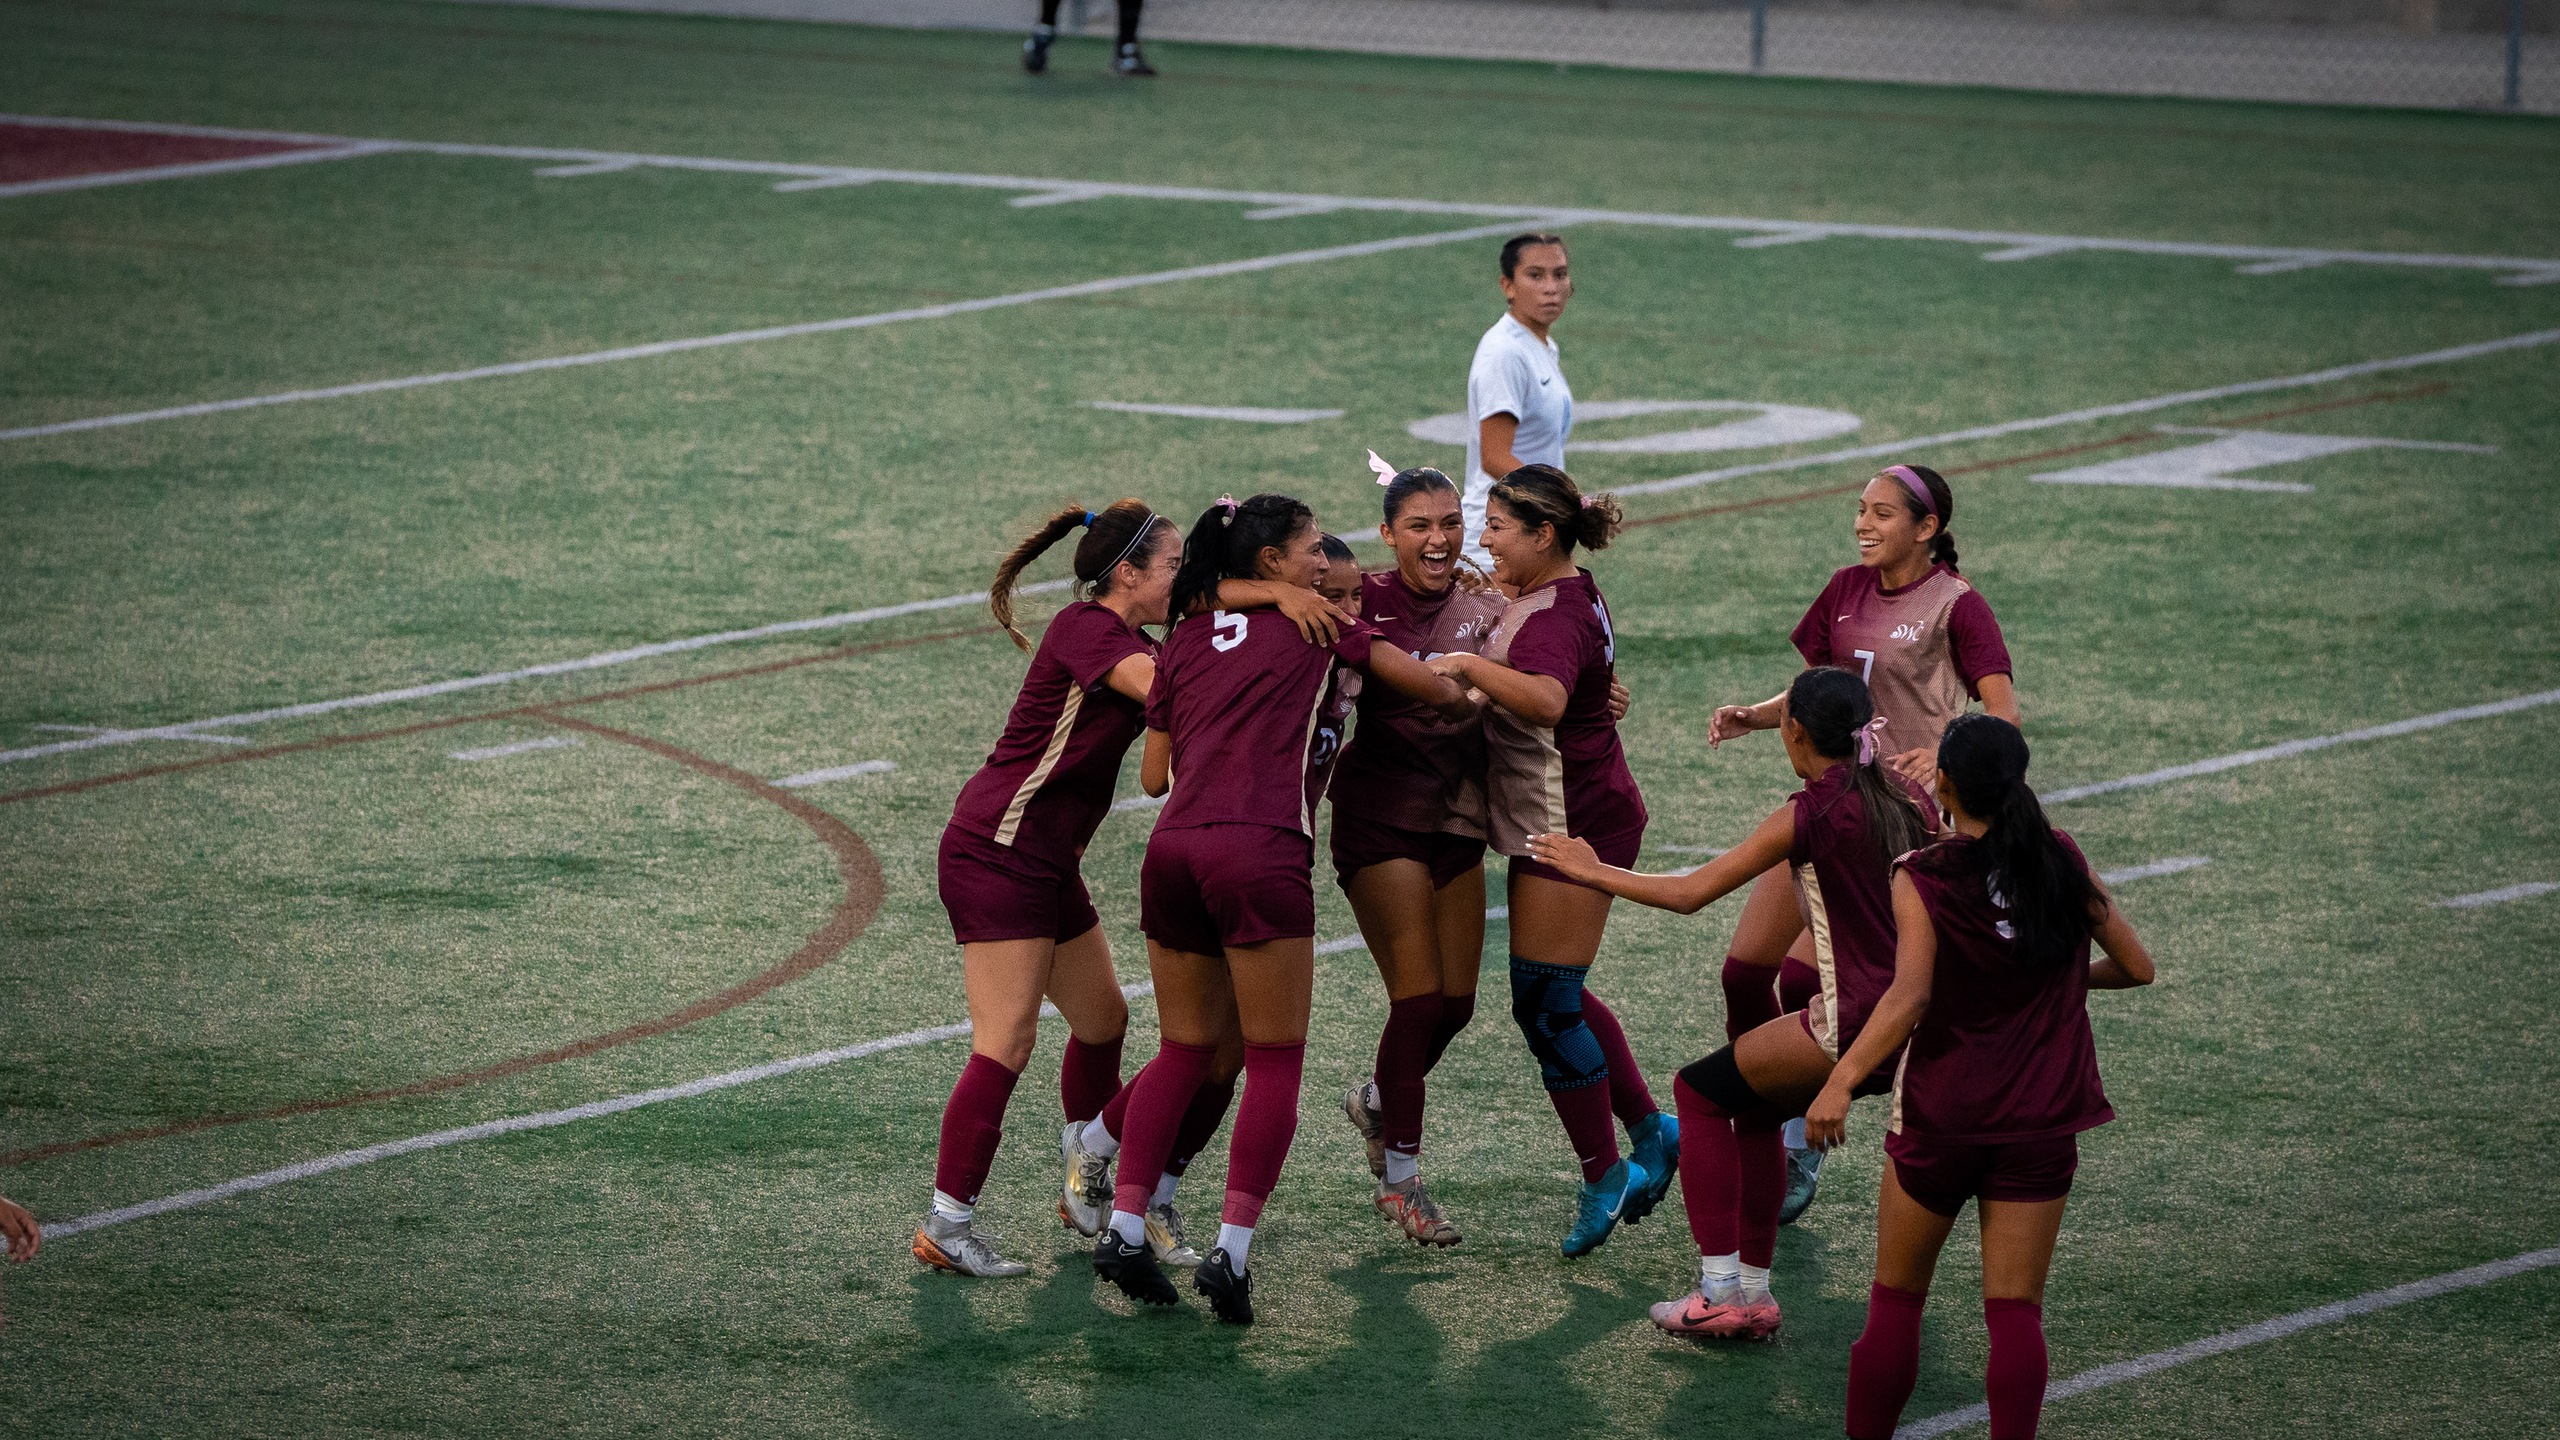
<point>1547,1001</point>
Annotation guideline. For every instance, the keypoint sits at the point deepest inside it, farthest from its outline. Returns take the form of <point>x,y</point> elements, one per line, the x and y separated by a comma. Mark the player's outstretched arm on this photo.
<point>1317,621</point>
<point>2126,964</point>
<point>1410,677</point>
<point>1537,699</point>
<point>1686,893</point>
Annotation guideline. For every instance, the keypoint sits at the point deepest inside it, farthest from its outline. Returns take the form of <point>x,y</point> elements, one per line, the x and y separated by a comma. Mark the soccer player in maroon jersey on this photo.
<point>1227,894</point>
<point>1554,764</point>
<point>1008,866</point>
<point>1990,987</point>
<point>1924,640</point>
<point>1836,838</point>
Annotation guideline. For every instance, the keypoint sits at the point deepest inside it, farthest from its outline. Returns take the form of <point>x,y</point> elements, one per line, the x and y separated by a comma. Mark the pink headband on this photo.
<point>1868,735</point>
<point>1912,482</point>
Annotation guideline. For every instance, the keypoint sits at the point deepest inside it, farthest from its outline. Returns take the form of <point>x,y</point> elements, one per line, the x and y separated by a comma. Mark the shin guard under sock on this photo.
<point>1404,1057</point>
<point>1265,1123</point>
<point>1089,1076</point>
<point>1163,1092</point>
<point>1750,997</point>
<point>1884,1363</point>
<point>972,1125</point>
<point>1763,1189</point>
<point>1710,1172</point>
<point>1200,1122</point>
<point>1629,1098</point>
<point>2014,1381</point>
<point>1455,1012</point>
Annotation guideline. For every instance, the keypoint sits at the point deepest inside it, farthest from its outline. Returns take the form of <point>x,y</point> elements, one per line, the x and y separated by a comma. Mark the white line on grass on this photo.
<point>519,747</point>
<point>1274,205</point>
<point>1139,802</point>
<point>1249,413</point>
<point>119,733</point>
<point>653,349</point>
<point>839,772</point>
<point>2247,1335</point>
<point>347,151</point>
<point>2101,412</point>
<point>2176,866</point>
<point>2220,763</point>
<point>2525,891</point>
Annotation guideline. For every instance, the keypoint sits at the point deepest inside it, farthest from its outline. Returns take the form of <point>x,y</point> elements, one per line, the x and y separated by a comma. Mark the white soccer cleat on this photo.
<point>1166,1239</point>
<point>1084,1202</point>
<point>959,1247</point>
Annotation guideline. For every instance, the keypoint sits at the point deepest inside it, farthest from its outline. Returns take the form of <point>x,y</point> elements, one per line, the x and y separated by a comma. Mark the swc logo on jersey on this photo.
<point>1909,630</point>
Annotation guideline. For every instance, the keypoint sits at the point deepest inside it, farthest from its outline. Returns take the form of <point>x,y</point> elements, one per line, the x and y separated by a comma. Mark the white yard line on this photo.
<point>519,747</point>
<point>2247,1335</point>
<point>2220,763</point>
<point>839,772</point>
<point>2102,412</point>
<point>1248,413</point>
<point>347,151</point>
<point>2525,891</point>
<point>1139,802</point>
<point>1273,205</point>
<point>655,348</point>
<point>2176,866</point>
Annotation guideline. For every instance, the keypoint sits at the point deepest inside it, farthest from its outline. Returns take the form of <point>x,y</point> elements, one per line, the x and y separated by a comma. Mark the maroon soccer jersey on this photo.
<point>1407,767</point>
<point>1844,887</point>
<point>1574,778</point>
<point>1048,782</point>
<point>1922,649</point>
<point>1243,696</point>
<point>2004,1054</point>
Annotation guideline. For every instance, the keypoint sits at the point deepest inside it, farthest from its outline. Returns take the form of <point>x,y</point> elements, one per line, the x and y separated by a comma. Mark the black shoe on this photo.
<point>1035,51</point>
<point>1133,1269</point>
<point>1131,61</point>
<point>1230,1294</point>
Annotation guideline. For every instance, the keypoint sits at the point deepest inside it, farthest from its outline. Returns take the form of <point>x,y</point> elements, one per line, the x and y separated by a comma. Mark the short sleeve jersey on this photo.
<point>1405,766</point>
<point>1048,782</point>
<point>1844,890</point>
<point>1518,374</point>
<point>1572,778</point>
<point>1923,649</point>
<point>1243,698</point>
<point>2004,1054</point>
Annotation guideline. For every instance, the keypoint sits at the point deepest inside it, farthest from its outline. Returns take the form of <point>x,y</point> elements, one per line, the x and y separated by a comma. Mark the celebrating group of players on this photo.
<point>1913,923</point>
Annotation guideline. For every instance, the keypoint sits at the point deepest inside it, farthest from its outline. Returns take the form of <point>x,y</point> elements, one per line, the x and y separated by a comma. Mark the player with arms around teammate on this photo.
<point>1519,408</point>
<point>1227,892</point>
<point>1925,641</point>
<point>1836,838</point>
<point>1554,764</point>
<point>1990,984</point>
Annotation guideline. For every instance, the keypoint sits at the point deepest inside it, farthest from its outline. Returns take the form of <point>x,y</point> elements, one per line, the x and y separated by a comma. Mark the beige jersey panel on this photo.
<point>1823,1015</point>
<point>1524,772</point>
<point>1039,775</point>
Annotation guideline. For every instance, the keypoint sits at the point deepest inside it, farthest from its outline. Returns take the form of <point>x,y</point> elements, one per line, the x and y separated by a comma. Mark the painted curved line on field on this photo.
<point>864,890</point>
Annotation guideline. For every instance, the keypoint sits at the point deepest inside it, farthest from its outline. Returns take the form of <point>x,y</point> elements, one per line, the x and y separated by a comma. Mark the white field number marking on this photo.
<point>2525,891</point>
<point>518,747</point>
<point>1767,425</point>
<point>2216,464</point>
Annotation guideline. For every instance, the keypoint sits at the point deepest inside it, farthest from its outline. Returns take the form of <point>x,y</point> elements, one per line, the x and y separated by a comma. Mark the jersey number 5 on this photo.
<point>1229,630</point>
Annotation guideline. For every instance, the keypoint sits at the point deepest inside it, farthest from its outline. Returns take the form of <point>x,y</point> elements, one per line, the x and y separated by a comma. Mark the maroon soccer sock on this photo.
<point>1404,1057</point>
<point>972,1124</point>
<point>1762,1191</point>
<point>1200,1123</point>
<point>1589,1126</point>
<point>2014,1382</point>
<point>1455,1012</point>
<point>1884,1363</point>
<point>1115,1111</point>
<point>1089,1076</point>
<point>1164,1092</point>
<point>1750,997</point>
<point>1265,1124</point>
<point>1710,1172</point>
<point>1629,1099</point>
<point>1798,984</point>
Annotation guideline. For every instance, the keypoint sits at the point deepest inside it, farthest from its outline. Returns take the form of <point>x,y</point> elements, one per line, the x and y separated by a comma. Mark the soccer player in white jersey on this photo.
<point>1518,403</point>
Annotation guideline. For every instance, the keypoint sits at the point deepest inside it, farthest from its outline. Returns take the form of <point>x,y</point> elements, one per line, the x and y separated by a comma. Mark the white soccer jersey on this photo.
<point>1514,373</point>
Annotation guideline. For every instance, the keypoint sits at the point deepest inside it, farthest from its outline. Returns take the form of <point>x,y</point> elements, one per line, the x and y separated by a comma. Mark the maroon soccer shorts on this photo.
<point>995,892</point>
<point>1943,1177</point>
<point>1360,842</point>
<point>1209,888</point>
<point>1618,850</point>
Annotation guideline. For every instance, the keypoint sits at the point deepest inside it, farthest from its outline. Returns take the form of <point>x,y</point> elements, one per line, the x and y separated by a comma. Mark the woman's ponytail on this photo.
<point>1126,530</point>
<point>1545,495</point>
<point>1942,546</point>
<point>1227,539</point>
<point>2052,902</point>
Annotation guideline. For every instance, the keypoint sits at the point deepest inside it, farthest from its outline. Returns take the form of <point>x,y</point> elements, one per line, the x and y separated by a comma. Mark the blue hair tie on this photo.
<point>1088,519</point>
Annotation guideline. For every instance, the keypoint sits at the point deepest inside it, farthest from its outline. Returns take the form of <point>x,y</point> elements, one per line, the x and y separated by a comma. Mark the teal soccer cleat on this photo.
<point>1599,1207</point>
<point>1657,1154</point>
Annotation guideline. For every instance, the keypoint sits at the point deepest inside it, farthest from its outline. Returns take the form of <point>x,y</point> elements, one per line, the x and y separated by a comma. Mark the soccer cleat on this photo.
<point>1657,1153</point>
<point>959,1247</point>
<point>1372,1125</point>
<point>1598,1207</point>
<point>1804,1176</point>
<point>1035,51</point>
<point>1411,1209</point>
<point>1230,1294</point>
<point>1760,1320</point>
<point>1085,1202</point>
<point>1132,61</point>
<point>1132,1269</point>
<point>1699,1318</point>
<point>1166,1240</point>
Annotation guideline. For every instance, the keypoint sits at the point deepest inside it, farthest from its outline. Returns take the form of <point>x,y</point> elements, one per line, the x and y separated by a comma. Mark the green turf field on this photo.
<point>2337,1085</point>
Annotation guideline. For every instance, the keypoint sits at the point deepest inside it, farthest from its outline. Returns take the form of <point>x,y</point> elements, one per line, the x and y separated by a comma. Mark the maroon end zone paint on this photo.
<point>58,152</point>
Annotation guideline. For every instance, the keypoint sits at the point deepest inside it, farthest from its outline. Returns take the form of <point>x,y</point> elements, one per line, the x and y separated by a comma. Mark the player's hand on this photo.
<point>1826,1120</point>
<point>1919,766</point>
<point>1728,722</point>
<point>1569,855</point>
<point>1317,621</point>
<point>1454,665</point>
<point>19,1229</point>
<point>1619,699</point>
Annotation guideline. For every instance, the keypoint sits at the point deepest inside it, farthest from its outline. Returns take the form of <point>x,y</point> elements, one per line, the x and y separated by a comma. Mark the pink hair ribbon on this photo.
<point>1868,736</point>
<point>1912,482</point>
<point>1228,504</point>
<point>1386,473</point>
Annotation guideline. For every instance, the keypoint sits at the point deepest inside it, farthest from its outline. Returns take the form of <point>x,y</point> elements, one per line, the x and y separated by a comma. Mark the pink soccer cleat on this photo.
<point>1760,1320</point>
<point>1698,1318</point>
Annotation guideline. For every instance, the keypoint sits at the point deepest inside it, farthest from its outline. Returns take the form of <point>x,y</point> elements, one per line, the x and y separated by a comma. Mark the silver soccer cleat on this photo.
<point>959,1247</point>
<point>1166,1238</point>
<point>1084,1203</point>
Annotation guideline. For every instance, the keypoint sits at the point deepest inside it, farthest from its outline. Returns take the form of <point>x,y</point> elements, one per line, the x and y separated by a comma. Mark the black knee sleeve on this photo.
<point>1720,1080</point>
<point>1546,1000</point>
